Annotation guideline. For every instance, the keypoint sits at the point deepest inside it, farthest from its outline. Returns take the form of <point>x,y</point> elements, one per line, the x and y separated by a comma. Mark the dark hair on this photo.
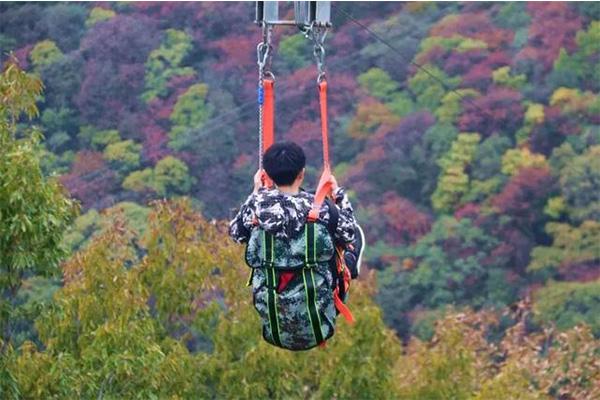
<point>283,162</point>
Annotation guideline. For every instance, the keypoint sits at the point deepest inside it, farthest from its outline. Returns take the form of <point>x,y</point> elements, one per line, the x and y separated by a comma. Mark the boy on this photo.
<point>283,210</point>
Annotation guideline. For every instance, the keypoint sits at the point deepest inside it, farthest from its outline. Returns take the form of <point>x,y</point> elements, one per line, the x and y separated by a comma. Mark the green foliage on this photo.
<point>513,16</point>
<point>294,49</point>
<point>453,182</point>
<point>487,163</point>
<point>451,105</point>
<point>170,176</point>
<point>430,91</point>
<point>555,207</point>
<point>139,181</point>
<point>378,83</point>
<point>123,327</point>
<point>568,304</point>
<point>515,159</point>
<point>34,210</point>
<point>97,139</point>
<point>165,62</point>
<point>572,246</point>
<point>454,42</point>
<point>446,267</point>
<point>123,155</point>
<point>533,116</point>
<point>45,53</point>
<point>58,125</point>
<point>562,156</point>
<point>99,14</point>
<point>502,77</point>
<point>91,224</point>
<point>581,66</point>
<point>580,185</point>
<point>190,113</point>
<point>83,228</point>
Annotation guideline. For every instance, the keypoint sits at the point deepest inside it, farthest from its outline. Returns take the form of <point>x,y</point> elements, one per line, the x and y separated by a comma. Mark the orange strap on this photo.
<point>342,308</point>
<point>324,132</point>
<point>268,114</point>
<point>325,186</point>
<point>268,122</point>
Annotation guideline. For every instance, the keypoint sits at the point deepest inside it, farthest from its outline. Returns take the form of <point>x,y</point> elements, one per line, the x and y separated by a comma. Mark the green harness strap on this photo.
<point>269,256</point>
<point>310,261</point>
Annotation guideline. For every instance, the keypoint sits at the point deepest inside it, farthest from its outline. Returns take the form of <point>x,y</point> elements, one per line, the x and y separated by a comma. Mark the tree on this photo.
<point>453,182</point>
<point>449,265</point>
<point>164,64</point>
<point>174,322</point>
<point>544,44</point>
<point>430,92</point>
<point>99,14</point>
<point>573,248</point>
<point>114,53</point>
<point>576,69</point>
<point>123,155</point>
<point>190,113</point>
<point>498,111</point>
<point>45,53</point>
<point>502,77</point>
<point>378,83</point>
<point>34,210</point>
<point>293,49</point>
<point>169,177</point>
<point>580,185</point>
<point>568,304</point>
<point>451,105</point>
<point>515,159</point>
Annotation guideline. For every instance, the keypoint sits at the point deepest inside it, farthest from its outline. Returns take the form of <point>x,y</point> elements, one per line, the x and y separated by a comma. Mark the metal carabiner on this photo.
<point>263,49</point>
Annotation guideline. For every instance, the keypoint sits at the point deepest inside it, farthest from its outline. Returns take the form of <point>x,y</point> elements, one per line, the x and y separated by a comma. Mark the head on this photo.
<point>284,163</point>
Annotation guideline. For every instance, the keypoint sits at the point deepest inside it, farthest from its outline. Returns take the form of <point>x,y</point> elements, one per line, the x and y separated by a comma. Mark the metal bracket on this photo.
<point>306,14</point>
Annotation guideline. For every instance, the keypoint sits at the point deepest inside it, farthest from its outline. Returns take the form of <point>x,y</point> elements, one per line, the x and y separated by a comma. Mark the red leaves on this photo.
<point>554,25</point>
<point>523,194</point>
<point>237,52</point>
<point>90,178</point>
<point>498,111</point>
<point>404,222</point>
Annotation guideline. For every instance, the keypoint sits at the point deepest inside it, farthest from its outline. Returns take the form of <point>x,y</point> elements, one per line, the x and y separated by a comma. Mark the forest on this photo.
<point>468,140</point>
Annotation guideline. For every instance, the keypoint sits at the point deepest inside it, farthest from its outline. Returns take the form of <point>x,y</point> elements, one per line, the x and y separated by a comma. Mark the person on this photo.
<point>282,210</point>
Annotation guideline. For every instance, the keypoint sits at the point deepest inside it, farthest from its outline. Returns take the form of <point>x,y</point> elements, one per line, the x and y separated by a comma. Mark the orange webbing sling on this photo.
<point>268,114</point>
<point>323,190</point>
<point>268,131</point>
<point>324,187</point>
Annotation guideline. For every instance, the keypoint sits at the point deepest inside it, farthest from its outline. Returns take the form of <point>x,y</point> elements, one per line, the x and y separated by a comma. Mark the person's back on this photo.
<point>299,280</point>
<point>283,209</point>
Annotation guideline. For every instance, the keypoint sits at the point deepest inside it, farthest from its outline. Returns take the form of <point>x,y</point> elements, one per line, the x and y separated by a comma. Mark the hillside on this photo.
<point>469,140</point>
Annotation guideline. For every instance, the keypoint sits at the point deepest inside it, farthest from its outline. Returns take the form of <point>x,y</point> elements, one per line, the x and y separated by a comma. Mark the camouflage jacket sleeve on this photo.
<point>346,224</point>
<point>241,225</point>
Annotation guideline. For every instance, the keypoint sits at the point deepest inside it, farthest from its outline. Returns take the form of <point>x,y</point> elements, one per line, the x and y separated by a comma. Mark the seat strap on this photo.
<point>268,251</point>
<point>309,280</point>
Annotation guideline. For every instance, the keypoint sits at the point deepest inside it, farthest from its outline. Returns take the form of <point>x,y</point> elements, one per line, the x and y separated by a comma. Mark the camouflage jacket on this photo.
<point>284,215</point>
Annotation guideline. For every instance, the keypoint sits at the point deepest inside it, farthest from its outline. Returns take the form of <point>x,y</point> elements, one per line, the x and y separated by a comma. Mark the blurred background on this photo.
<point>467,134</point>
